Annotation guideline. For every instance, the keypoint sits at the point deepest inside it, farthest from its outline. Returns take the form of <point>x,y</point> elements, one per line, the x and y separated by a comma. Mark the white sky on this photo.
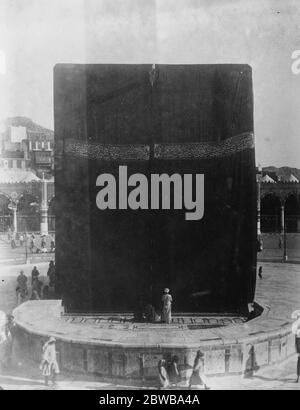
<point>37,34</point>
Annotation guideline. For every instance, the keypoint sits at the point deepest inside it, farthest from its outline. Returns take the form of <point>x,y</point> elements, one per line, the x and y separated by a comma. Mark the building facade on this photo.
<point>26,205</point>
<point>26,145</point>
<point>26,176</point>
<point>279,203</point>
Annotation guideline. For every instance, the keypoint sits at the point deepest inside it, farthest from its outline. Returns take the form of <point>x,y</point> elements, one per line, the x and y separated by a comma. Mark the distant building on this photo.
<point>290,178</point>
<point>267,179</point>
<point>40,148</point>
<point>279,197</point>
<point>26,161</point>
<point>26,145</point>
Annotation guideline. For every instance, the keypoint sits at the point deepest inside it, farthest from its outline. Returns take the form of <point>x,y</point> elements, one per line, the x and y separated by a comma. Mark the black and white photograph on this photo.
<point>149,197</point>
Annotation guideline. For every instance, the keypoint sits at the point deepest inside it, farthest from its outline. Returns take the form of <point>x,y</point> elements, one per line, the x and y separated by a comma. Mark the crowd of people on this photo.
<point>170,375</point>
<point>35,243</point>
<point>39,245</point>
<point>39,289</point>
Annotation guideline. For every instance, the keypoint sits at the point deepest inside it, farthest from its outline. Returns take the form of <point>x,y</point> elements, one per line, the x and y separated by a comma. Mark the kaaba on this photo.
<point>155,119</point>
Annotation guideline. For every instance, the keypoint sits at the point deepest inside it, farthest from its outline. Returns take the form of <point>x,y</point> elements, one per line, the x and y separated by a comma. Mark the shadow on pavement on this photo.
<point>274,379</point>
<point>19,381</point>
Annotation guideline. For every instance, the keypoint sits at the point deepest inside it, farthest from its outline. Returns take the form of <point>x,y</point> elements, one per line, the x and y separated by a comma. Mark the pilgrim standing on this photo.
<point>34,274</point>
<point>51,273</point>
<point>49,365</point>
<point>21,239</point>
<point>22,289</point>
<point>43,242</point>
<point>13,242</point>
<point>31,244</point>
<point>52,245</point>
<point>9,233</point>
<point>167,302</point>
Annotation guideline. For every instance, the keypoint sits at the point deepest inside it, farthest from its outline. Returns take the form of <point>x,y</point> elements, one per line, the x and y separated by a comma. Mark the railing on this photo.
<point>29,223</point>
<point>272,223</point>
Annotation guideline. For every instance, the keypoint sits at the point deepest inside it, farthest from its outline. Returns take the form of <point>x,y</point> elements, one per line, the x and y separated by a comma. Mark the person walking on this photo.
<point>297,341</point>
<point>32,243</point>
<point>43,242</point>
<point>9,233</point>
<point>13,242</point>
<point>34,274</point>
<point>166,309</point>
<point>6,340</point>
<point>49,365</point>
<point>260,272</point>
<point>174,373</point>
<point>162,375</point>
<point>198,376</point>
<point>21,289</point>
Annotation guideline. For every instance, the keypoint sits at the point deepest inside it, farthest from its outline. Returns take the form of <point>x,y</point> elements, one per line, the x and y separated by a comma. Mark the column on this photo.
<point>283,230</point>
<point>15,224</point>
<point>44,209</point>
<point>282,222</point>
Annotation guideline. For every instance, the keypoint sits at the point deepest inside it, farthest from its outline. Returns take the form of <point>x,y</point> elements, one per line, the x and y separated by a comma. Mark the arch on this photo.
<point>26,204</point>
<point>4,194</point>
<point>292,212</point>
<point>270,213</point>
<point>28,217</point>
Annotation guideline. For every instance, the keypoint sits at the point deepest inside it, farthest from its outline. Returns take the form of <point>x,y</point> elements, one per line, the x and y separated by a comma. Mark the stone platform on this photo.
<point>115,346</point>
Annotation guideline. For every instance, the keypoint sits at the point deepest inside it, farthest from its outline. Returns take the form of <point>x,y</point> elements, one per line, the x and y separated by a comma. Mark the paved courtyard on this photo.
<point>9,256</point>
<point>280,287</point>
<point>273,247</point>
<point>8,277</point>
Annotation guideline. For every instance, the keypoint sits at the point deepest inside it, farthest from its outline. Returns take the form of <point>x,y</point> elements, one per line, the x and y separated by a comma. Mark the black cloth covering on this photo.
<point>163,119</point>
